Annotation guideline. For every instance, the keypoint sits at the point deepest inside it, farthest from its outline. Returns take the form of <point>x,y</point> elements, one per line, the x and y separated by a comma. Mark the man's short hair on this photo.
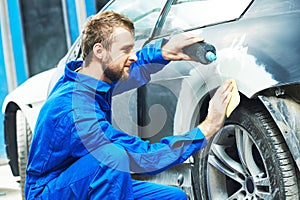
<point>99,29</point>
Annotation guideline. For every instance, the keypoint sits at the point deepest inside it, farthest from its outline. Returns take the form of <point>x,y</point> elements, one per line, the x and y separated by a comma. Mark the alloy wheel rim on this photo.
<point>236,168</point>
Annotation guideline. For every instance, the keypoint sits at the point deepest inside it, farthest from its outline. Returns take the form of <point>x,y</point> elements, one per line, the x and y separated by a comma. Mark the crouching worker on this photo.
<point>76,153</point>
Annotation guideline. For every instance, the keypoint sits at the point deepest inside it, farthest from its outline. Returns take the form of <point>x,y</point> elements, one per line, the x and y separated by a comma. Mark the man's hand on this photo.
<point>216,110</point>
<point>172,50</point>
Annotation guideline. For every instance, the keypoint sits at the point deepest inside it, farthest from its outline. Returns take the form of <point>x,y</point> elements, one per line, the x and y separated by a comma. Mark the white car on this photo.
<point>257,153</point>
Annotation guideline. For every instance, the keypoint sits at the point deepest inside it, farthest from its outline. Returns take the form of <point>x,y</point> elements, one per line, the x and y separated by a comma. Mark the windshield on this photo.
<point>143,14</point>
<point>189,14</point>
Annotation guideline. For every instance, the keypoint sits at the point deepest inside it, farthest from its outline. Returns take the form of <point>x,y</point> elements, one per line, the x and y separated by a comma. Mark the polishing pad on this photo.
<point>234,100</point>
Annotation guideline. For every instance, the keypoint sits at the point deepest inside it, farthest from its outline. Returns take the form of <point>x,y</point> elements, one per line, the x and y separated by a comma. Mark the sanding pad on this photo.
<point>234,100</point>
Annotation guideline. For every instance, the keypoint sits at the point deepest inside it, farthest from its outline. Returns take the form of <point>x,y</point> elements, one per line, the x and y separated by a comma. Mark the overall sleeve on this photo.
<point>150,61</point>
<point>154,158</point>
<point>144,157</point>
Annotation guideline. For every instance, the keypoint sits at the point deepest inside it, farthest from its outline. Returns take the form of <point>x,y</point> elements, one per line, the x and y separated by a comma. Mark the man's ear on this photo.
<point>98,50</point>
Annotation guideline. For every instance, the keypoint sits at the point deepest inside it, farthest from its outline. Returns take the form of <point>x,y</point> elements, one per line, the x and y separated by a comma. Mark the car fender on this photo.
<point>30,96</point>
<point>286,114</point>
<point>284,111</point>
<point>250,76</point>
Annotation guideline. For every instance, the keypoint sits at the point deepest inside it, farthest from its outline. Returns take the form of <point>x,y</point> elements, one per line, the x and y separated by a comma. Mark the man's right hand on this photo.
<point>216,110</point>
<point>172,50</point>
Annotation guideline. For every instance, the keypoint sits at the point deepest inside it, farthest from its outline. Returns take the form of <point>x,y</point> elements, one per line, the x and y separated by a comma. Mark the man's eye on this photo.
<point>127,50</point>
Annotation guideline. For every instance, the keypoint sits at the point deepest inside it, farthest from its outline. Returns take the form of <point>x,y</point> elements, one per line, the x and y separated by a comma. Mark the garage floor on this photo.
<point>9,186</point>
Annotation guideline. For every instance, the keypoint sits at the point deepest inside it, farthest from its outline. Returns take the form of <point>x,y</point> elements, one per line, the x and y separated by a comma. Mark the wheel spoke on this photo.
<point>262,187</point>
<point>244,146</point>
<point>225,164</point>
<point>240,143</point>
<point>264,195</point>
<point>263,182</point>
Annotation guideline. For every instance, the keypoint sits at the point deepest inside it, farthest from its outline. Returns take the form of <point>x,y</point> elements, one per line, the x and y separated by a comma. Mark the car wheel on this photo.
<point>24,136</point>
<point>246,159</point>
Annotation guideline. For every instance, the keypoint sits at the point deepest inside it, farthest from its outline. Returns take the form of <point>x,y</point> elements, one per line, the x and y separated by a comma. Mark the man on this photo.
<point>77,154</point>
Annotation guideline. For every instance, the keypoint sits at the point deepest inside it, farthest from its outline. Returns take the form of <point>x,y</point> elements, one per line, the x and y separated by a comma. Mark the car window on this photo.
<point>143,14</point>
<point>189,14</point>
<point>272,7</point>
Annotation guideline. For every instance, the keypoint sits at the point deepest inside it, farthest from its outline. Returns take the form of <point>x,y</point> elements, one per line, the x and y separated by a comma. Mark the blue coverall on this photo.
<point>76,153</point>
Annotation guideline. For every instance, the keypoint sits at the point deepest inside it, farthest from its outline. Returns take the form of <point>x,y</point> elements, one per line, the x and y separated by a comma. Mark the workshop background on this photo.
<point>34,36</point>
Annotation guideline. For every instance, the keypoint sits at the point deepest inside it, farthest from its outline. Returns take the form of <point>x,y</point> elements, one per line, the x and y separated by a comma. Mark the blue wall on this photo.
<point>17,40</point>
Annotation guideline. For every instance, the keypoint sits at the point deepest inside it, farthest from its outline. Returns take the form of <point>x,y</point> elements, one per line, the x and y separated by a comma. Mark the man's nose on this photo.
<point>133,57</point>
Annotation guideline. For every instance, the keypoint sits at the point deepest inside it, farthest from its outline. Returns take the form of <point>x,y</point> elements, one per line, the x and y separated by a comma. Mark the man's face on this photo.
<point>118,60</point>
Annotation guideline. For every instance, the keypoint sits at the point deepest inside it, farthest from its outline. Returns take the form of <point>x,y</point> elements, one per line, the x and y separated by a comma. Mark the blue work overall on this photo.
<point>76,153</point>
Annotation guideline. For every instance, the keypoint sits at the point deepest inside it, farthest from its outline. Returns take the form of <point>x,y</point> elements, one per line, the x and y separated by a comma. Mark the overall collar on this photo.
<point>88,81</point>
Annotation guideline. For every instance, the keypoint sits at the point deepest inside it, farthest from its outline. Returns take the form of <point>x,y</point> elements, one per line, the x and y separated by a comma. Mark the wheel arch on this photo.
<point>281,101</point>
<point>193,104</point>
<point>10,136</point>
<point>284,111</point>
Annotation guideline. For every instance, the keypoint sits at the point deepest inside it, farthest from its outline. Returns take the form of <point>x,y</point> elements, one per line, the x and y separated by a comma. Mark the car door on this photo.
<point>174,92</point>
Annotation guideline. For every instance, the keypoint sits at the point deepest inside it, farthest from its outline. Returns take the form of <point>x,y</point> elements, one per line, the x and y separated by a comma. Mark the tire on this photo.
<point>247,159</point>
<point>24,136</point>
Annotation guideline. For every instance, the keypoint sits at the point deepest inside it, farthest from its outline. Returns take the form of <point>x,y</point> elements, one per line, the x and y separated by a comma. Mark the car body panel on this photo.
<point>30,96</point>
<point>246,52</point>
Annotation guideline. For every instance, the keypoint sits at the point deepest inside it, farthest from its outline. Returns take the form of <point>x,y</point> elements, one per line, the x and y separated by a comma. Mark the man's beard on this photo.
<point>111,72</point>
<point>112,75</point>
<point>115,76</point>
